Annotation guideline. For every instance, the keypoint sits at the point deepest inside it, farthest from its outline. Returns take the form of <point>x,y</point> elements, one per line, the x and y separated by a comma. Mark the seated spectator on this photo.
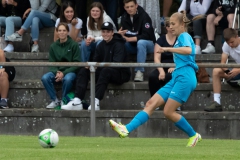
<point>195,8</point>
<point>137,29</point>
<point>231,47</point>
<point>7,75</point>
<point>81,11</point>
<point>160,76</point>
<point>111,8</point>
<point>68,16</point>
<point>42,14</point>
<point>153,9</point>
<point>94,21</point>
<point>111,49</point>
<point>12,12</point>
<point>63,50</point>
<point>221,14</point>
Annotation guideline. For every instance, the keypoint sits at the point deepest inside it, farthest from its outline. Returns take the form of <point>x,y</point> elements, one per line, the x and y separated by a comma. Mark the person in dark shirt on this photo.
<point>137,29</point>
<point>111,49</point>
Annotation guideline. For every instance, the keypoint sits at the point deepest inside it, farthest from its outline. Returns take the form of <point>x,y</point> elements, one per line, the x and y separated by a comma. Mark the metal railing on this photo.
<point>92,66</point>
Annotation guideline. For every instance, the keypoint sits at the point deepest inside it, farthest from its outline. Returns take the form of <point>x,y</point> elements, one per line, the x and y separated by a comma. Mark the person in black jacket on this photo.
<point>111,49</point>
<point>137,29</point>
<point>12,12</point>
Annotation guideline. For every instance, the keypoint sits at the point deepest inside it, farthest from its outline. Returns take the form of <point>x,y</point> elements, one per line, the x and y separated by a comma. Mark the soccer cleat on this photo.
<point>74,104</point>
<point>192,141</point>
<point>119,128</point>
<point>15,37</point>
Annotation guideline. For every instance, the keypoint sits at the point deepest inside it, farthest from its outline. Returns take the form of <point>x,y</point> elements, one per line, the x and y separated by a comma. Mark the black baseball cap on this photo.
<point>107,26</point>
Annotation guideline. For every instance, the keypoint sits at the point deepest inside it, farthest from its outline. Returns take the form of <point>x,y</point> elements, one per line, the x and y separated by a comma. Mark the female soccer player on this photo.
<point>177,90</point>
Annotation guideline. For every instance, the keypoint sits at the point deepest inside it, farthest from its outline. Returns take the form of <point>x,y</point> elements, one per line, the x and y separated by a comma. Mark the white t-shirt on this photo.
<point>233,52</point>
<point>196,8</point>
<point>78,25</point>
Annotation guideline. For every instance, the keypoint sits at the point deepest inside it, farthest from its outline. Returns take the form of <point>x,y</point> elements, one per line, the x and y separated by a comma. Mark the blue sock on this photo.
<point>185,127</point>
<point>138,120</point>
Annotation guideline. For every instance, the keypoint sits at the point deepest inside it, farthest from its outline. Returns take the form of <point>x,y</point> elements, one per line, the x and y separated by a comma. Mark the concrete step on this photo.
<point>131,95</point>
<point>46,39</point>
<point>218,125</point>
<point>37,72</point>
<point>28,56</point>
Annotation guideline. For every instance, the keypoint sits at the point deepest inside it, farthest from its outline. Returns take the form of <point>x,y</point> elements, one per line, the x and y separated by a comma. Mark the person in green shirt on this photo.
<point>63,50</point>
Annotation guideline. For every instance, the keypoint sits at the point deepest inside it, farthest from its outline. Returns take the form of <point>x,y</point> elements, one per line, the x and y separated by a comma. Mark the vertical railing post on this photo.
<point>92,94</point>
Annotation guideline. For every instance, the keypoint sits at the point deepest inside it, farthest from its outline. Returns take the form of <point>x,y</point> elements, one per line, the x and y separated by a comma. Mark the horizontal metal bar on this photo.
<point>95,64</point>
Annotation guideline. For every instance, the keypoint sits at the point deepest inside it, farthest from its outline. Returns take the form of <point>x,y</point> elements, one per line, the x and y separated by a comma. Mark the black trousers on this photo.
<point>81,11</point>
<point>154,83</point>
<point>104,76</point>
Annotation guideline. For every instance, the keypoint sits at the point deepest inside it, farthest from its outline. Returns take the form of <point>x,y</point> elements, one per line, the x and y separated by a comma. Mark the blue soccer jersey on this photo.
<point>185,40</point>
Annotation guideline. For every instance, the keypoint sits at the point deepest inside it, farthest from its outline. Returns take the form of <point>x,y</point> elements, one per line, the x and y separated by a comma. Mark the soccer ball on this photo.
<point>48,138</point>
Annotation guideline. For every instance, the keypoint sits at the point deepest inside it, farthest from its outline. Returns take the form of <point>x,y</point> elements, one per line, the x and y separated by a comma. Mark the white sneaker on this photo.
<point>9,48</point>
<point>138,76</point>
<point>209,49</point>
<point>35,48</point>
<point>198,49</point>
<point>97,107</point>
<point>53,104</point>
<point>74,104</point>
<point>15,37</point>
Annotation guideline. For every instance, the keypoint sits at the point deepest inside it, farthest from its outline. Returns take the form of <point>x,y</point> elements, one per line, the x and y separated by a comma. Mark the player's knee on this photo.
<point>167,113</point>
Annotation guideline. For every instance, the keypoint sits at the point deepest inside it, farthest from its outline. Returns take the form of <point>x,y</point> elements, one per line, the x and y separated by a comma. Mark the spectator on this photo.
<point>81,10</point>
<point>63,50</point>
<point>160,76</point>
<point>7,75</point>
<point>137,29</point>
<point>94,21</point>
<point>42,14</point>
<point>194,8</point>
<point>111,49</point>
<point>221,14</point>
<point>153,9</point>
<point>231,47</point>
<point>111,8</point>
<point>67,15</point>
<point>12,12</point>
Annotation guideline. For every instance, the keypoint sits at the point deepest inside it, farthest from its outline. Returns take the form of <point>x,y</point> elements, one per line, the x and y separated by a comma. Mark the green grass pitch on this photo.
<point>102,148</point>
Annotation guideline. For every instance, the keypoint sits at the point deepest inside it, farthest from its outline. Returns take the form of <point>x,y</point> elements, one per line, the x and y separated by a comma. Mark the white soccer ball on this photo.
<point>48,138</point>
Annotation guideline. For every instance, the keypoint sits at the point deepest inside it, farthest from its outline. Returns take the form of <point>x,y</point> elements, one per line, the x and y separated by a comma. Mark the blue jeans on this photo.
<point>10,23</point>
<point>48,81</point>
<point>37,20</point>
<point>86,50</point>
<point>111,7</point>
<point>143,48</point>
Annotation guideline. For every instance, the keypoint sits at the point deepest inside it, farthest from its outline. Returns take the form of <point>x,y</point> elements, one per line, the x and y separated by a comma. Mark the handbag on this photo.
<point>3,43</point>
<point>202,75</point>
